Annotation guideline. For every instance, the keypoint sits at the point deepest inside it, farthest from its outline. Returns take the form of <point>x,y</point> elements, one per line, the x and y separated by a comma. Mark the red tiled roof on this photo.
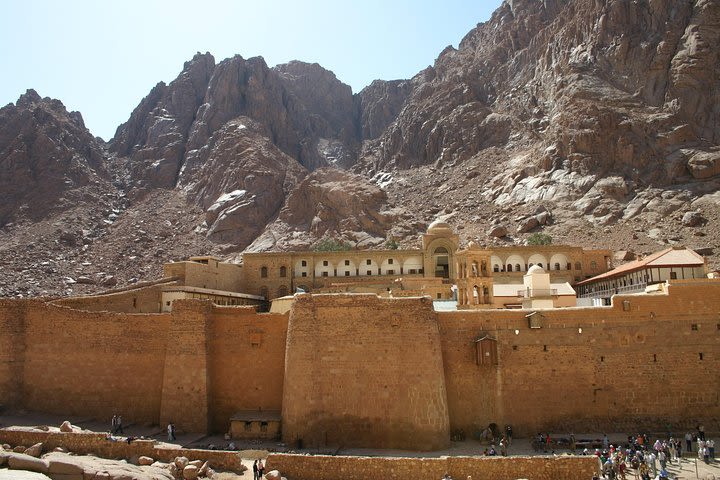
<point>670,257</point>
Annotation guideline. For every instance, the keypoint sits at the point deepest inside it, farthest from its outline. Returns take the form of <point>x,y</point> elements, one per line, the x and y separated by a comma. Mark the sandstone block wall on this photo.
<point>635,365</point>
<point>92,363</point>
<point>247,362</point>
<point>185,383</point>
<point>12,351</point>
<point>320,467</point>
<point>360,371</point>
<point>97,444</point>
<point>140,300</point>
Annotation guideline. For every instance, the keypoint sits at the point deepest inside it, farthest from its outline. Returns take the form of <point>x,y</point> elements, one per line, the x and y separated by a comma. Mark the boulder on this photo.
<point>143,460</point>
<point>203,471</point>
<point>67,476</point>
<point>190,472</point>
<point>109,281</point>
<point>19,449</point>
<point>3,458</point>
<point>497,231</point>
<point>181,463</point>
<point>20,461</point>
<point>197,463</point>
<point>704,165</point>
<point>273,475</point>
<point>63,466</point>
<point>35,450</point>
<point>66,427</point>
<point>528,224</point>
<point>543,217</point>
<point>693,219</point>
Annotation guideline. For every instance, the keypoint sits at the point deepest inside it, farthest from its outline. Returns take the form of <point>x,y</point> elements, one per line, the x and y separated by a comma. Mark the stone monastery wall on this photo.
<point>360,370</point>
<point>645,362</point>
<point>363,371</point>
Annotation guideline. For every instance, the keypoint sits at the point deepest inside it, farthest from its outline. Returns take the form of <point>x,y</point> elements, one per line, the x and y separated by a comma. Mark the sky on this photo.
<point>101,57</point>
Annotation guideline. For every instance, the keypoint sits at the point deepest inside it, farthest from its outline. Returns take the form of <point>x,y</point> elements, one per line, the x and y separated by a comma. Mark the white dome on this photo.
<point>535,269</point>
<point>439,226</point>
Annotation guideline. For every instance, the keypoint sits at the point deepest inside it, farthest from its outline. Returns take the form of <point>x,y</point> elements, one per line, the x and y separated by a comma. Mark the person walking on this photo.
<point>255,470</point>
<point>261,469</point>
<point>119,425</point>
<point>688,442</point>
<point>113,425</point>
<point>171,432</point>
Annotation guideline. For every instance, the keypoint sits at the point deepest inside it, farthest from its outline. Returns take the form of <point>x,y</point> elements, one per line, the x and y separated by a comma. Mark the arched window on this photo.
<point>569,266</point>
<point>517,267</point>
<point>282,291</point>
<point>540,265</point>
<point>509,268</point>
<point>283,271</point>
<point>557,266</point>
<point>263,272</point>
<point>496,268</point>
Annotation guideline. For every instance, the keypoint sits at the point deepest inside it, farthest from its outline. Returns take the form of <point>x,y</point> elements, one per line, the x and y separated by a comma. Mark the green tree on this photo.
<point>331,245</point>
<point>539,239</point>
<point>392,244</point>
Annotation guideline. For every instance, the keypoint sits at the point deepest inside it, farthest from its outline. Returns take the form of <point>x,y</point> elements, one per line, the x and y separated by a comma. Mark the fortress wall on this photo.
<point>141,300</point>
<point>247,362</point>
<point>185,377</point>
<point>363,371</point>
<point>323,467</point>
<point>12,347</point>
<point>628,369</point>
<point>93,364</point>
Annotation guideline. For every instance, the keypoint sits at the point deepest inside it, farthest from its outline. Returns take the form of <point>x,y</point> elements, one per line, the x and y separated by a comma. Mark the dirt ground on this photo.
<point>689,468</point>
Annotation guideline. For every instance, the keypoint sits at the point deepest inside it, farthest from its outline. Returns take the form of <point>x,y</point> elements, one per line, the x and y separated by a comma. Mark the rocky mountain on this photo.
<point>48,159</point>
<point>596,121</point>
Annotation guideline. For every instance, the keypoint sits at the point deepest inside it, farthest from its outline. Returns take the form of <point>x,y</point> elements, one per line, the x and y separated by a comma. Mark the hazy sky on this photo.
<point>102,57</point>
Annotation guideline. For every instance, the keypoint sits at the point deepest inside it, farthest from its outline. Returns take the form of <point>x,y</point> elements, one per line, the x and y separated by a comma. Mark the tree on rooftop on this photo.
<point>539,239</point>
<point>331,245</point>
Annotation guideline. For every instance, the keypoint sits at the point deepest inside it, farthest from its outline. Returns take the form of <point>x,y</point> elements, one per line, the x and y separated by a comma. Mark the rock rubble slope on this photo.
<point>595,121</point>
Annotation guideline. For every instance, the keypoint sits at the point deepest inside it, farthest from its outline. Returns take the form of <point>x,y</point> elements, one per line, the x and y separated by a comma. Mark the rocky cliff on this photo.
<point>596,121</point>
<point>47,156</point>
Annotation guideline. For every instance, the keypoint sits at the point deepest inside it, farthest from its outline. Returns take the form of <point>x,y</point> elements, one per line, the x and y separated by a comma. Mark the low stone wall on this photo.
<point>97,444</point>
<point>322,467</point>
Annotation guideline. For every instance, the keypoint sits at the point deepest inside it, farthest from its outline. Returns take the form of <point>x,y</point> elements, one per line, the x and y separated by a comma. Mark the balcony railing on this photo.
<point>537,292</point>
<point>609,292</point>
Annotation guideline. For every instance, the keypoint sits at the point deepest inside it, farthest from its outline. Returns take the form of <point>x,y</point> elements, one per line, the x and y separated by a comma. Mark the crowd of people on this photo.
<point>650,460</point>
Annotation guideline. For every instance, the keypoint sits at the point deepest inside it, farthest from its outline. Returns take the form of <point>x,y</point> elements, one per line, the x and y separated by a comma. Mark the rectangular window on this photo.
<point>325,274</point>
<point>304,274</point>
<point>694,326</point>
<point>347,263</point>
<point>303,263</point>
<point>368,262</point>
<point>248,426</point>
<point>369,272</point>
<point>673,275</point>
<point>412,270</point>
<point>391,272</point>
<point>390,261</point>
<point>263,426</point>
<point>325,263</point>
<point>347,274</point>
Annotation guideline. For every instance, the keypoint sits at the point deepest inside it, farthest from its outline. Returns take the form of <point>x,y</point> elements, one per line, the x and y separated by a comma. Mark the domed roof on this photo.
<point>439,226</point>
<point>535,269</point>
